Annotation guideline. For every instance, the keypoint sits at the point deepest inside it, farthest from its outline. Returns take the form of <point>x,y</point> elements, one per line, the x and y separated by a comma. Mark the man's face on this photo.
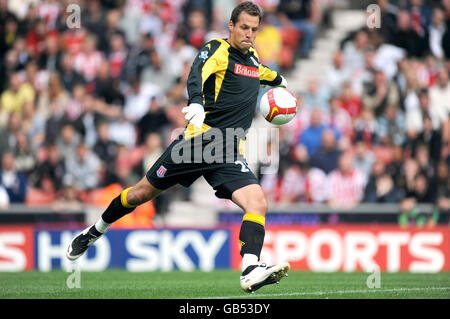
<point>243,33</point>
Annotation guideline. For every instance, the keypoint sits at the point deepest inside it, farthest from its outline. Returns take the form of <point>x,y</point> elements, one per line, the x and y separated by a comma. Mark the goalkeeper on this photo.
<point>223,86</point>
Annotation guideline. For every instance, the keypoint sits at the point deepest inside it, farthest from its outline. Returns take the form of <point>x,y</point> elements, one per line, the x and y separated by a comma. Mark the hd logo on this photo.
<point>139,250</point>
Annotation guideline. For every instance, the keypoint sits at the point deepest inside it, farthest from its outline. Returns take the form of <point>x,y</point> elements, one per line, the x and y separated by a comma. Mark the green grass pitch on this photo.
<point>221,284</point>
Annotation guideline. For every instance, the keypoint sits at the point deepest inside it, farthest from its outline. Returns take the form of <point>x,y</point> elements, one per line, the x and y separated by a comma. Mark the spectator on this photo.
<point>106,150</point>
<point>118,53</point>
<point>107,88</point>
<point>350,101</point>
<point>123,132</point>
<point>311,138</point>
<point>94,17</point>
<point>205,6</point>
<point>112,26</point>
<point>408,36</point>
<point>388,19</point>
<point>395,167</point>
<point>346,183</point>
<point>13,181</point>
<point>354,53</point>
<point>426,165</point>
<point>55,95</point>
<point>153,149</point>
<point>153,121</point>
<point>88,61</point>
<point>82,169</point>
<point>316,188</point>
<point>440,94</point>
<point>305,17</point>
<point>68,141</point>
<point>49,174</point>
<point>24,157</point>
<point>436,33</point>
<point>181,54</point>
<point>382,190</point>
<point>138,100</point>
<point>8,33</point>
<point>391,126</point>
<point>316,95</point>
<point>196,27</point>
<point>268,44</point>
<point>420,16</point>
<point>410,170</point>
<point>337,73</point>
<point>380,94</point>
<point>36,38</point>
<point>431,138</point>
<point>142,55</point>
<point>326,158</point>
<point>4,198</point>
<point>433,110</point>
<point>441,184</point>
<point>17,94</point>
<point>69,77</point>
<point>8,134</point>
<point>51,58</point>
<point>340,119</point>
<point>364,158</point>
<point>420,193</point>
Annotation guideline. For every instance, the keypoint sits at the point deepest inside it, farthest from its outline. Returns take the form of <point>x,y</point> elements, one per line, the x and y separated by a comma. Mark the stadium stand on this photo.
<point>85,111</point>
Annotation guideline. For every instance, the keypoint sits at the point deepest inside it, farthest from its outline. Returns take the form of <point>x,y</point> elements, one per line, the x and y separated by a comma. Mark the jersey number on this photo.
<point>244,168</point>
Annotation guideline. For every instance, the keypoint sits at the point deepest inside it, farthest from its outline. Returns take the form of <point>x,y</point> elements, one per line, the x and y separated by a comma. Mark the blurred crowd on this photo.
<point>376,127</point>
<point>92,102</point>
<point>91,91</point>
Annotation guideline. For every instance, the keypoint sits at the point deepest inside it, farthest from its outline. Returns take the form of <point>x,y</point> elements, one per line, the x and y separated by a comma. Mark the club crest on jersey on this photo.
<point>203,55</point>
<point>161,171</point>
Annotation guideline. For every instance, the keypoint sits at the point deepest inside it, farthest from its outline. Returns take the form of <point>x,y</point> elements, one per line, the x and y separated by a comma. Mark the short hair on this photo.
<point>248,7</point>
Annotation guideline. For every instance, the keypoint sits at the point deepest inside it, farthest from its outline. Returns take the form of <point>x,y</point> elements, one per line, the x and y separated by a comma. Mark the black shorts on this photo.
<point>225,177</point>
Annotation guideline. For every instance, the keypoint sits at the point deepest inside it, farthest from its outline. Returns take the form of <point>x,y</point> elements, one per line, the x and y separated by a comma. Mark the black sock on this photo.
<point>115,211</point>
<point>251,237</point>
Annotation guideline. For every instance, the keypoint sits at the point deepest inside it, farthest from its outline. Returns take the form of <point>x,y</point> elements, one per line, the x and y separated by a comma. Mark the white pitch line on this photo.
<point>319,293</point>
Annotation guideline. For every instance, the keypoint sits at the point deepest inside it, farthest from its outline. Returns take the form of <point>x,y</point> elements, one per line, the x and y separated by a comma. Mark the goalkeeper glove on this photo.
<point>283,83</point>
<point>195,114</point>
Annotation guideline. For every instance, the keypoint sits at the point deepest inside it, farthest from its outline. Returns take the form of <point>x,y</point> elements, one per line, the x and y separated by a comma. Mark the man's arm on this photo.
<point>269,77</point>
<point>205,64</point>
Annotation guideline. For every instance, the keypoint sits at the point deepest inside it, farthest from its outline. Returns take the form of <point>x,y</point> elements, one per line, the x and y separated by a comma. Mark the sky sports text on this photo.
<point>311,248</point>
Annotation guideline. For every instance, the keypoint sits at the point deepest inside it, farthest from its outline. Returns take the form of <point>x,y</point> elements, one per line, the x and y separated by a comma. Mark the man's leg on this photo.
<point>251,236</point>
<point>123,204</point>
<point>252,201</point>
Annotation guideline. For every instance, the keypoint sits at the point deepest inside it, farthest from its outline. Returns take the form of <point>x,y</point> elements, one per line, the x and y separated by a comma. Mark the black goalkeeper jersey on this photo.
<point>226,82</point>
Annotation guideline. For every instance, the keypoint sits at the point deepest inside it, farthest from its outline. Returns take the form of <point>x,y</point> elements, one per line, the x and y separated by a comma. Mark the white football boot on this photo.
<point>257,276</point>
<point>80,243</point>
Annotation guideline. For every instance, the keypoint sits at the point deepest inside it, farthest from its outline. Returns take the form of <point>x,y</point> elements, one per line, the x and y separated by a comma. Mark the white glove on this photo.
<point>195,114</point>
<point>283,83</point>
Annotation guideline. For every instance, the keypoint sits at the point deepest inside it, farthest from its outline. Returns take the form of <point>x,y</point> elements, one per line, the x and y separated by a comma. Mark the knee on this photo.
<point>258,205</point>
